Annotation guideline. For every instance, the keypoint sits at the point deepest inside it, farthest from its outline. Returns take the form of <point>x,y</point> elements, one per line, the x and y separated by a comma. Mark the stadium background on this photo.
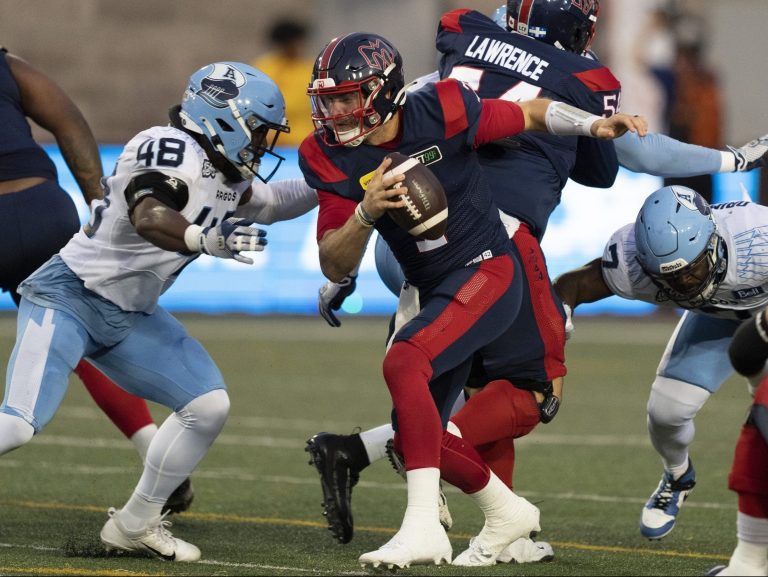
<point>125,63</point>
<point>257,507</point>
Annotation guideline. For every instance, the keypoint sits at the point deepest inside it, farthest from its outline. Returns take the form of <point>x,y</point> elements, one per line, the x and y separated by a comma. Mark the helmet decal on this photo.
<point>221,84</point>
<point>586,6</point>
<point>377,54</point>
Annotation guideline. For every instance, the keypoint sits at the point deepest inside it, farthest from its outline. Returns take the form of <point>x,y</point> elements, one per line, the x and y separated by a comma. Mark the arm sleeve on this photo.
<point>335,211</point>
<point>661,155</point>
<point>596,163</point>
<point>749,348</point>
<point>278,200</point>
<point>498,119</point>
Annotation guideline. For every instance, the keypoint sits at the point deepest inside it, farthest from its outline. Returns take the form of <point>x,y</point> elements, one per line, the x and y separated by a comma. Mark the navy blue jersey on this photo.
<point>20,155</point>
<point>528,173</point>
<point>438,125</point>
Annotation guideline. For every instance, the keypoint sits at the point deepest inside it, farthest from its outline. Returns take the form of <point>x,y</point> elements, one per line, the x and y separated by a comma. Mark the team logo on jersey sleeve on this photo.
<point>208,170</point>
<point>222,84</point>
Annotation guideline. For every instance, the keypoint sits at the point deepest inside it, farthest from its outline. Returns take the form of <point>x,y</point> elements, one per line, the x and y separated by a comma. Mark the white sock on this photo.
<point>142,438</point>
<point>750,554</point>
<point>14,432</point>
<point>678,470</point>
<point>375,441</point>
<point>494,499</point>
<point>179,445</point>
<point>672,407</point>
<point>423,495</point>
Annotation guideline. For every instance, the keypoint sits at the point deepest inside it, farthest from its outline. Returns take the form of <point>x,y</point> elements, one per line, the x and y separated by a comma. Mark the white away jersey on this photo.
<point>744,291</point>
<point>110,256</point>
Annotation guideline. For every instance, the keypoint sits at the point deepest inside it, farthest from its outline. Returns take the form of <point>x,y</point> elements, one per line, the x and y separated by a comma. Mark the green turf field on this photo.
<point>257,509</point>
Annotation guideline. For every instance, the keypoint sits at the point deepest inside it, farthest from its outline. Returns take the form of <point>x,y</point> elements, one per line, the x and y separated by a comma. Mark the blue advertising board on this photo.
<point>286,276</point>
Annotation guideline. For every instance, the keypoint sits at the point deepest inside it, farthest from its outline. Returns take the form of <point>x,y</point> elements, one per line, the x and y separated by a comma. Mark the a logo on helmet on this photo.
<point>668,267</point>
<point>377,54</point>
<point>586,6</point>
<point>223,83</point>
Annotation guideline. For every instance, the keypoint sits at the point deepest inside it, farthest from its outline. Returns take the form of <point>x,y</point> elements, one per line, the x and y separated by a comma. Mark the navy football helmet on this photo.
<point>239,111</point>
<point>566,24</point>
<point>679,247</point>
<point>362,71</point>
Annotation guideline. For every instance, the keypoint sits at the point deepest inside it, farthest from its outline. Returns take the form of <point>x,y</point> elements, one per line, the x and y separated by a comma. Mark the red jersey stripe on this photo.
<point>450,20</point>
<point>599,80</point>
<point>454,112</point>
<point>319,162</point>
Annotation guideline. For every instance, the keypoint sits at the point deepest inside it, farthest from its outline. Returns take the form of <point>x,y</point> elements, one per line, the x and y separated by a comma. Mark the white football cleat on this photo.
<point>526,550</point>
<point>155,539</point>
<point>429,546</point>
<point>521,519</point>
<point>736,567</point>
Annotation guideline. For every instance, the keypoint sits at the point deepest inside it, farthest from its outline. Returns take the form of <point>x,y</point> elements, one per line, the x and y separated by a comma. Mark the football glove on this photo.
<point>230,238</point>
<point>751,155</point>
<point>331,296</point>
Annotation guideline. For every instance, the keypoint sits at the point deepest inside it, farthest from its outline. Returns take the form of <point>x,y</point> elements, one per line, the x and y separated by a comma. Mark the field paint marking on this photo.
<point>237,474</point>
<point>122,573</point>
<point>273,567</point>
<point>271,442</point>
<point>71,571</point>
<point>306,426</point>
<point>383,530</point>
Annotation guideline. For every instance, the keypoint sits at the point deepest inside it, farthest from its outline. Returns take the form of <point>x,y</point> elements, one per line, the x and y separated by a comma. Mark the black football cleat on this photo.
<point>181,499</point>
<point>331,457</point>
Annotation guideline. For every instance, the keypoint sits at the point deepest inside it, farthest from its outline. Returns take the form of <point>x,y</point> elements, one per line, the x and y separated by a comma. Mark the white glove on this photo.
<point>568,321</point>
<point>751,155</point>
<point>226,240</point>
<point>331,296</point>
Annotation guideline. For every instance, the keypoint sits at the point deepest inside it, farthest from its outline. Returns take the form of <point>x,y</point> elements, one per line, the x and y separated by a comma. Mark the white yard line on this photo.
<point>243,475</point>
<point>212,562</point>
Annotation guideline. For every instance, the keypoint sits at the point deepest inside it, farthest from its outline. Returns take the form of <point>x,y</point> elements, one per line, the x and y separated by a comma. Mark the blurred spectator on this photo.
<point>287,64</point>
<point>655,52</point>
<point>696,113</point>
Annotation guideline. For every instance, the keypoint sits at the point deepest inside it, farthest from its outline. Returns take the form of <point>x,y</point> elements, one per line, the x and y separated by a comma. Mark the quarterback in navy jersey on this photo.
<point>468,287</point>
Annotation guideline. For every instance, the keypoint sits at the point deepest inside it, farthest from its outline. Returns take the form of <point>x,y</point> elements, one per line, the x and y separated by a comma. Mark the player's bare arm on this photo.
<point>341,249</point>
<point>160,224</point>
<point>582,285</point>
<point>50,107</point>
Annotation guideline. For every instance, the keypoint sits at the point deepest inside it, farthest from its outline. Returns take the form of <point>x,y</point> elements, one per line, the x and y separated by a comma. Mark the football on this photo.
<point>425,214</point>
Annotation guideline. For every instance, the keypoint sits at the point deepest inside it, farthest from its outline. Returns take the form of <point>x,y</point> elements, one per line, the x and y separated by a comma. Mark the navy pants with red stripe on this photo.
<point>533,348</point>
<point>431,356</point>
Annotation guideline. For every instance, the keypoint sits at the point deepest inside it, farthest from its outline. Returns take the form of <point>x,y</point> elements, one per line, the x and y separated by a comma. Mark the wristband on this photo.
<point>365,219</point>
<point>192,237</point>
<point>566,120</point>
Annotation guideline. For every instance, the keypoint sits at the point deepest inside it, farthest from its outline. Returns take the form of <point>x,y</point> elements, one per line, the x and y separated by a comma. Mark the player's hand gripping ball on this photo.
<point>425,214</point>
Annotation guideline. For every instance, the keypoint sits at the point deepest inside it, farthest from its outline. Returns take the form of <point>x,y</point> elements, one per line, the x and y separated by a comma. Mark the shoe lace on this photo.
<point>160,530</point>
<point>669,491</point>
<point>478,549</point>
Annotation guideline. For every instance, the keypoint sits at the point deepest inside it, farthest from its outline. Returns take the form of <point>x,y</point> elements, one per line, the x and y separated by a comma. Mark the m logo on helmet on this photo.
<point>377,54</point>
<point>223,83</point>
<point>586,6</point>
